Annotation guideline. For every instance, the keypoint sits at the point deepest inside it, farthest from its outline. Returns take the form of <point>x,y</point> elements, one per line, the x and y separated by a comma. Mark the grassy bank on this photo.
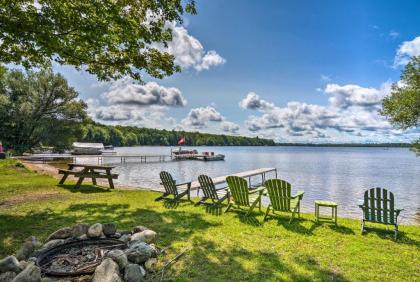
<point>226,247</point>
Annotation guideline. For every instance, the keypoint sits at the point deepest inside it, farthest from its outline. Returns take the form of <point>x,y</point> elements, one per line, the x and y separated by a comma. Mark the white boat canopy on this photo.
<point>98,146</point>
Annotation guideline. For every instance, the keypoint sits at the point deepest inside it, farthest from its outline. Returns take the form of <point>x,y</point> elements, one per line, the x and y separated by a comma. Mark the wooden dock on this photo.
<point>195,185</point>
<point>99,159</point>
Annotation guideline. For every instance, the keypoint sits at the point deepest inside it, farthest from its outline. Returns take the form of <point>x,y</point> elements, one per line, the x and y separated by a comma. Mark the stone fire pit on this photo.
<point>97,253</point>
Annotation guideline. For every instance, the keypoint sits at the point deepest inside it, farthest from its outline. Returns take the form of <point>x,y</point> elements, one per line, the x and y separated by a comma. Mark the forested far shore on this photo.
<point>397,145</point>
<point>131,136</point>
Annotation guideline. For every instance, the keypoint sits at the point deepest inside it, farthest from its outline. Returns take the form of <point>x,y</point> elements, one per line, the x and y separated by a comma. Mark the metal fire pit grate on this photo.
<point>76,258</point>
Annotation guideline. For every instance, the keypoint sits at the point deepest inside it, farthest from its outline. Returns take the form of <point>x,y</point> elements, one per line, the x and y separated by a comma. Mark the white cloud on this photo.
<point>230,127</point>
<point>210,59</point>
<point>254,102</point>
<point>406,50</point>
<point>128,103</point>
<point>352,113</point>
<point>325,78</point>
<point>355,95</point>
<point>188,50</point>
<point>142,95</point>
<point>208,119</point>
<point>115,113</point>
<point>199,117</point>
<point>152,116</point>
<point>393,34</point>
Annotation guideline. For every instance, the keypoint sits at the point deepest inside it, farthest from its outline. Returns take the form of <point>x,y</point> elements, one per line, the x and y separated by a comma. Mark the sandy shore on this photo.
<point>51,170</point>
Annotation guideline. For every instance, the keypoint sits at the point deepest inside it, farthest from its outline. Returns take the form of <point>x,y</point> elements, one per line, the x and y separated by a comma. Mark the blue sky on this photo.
<point>294,71</point>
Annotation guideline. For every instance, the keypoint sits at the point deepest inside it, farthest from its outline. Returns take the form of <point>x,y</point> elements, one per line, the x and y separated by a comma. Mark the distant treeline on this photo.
<point>403,145</point>
<point>131,136</point>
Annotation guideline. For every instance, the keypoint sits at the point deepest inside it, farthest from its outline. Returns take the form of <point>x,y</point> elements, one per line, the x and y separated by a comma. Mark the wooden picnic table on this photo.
<point>88,171</point>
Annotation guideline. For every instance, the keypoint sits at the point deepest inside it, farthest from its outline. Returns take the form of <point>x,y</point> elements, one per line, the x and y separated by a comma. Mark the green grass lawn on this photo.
<point>220,247</point>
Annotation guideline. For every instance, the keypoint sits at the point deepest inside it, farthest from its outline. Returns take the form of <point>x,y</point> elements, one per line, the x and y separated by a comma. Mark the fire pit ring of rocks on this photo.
<point>75,258</point>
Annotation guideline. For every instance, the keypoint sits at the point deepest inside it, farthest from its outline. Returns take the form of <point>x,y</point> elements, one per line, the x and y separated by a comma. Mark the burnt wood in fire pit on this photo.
<point>76,258</point>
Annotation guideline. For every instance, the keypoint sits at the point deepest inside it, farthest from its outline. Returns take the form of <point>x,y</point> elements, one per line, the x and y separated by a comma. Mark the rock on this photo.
<point>63,233</point>
<point>53,243</point>
<point>116,235</point>
<point>7,276</point>
<point>138,252</point>
<point>109,229</point>
<point>83,237</point>
<point>147,236</point>
<point>139,228</point>
<point>79,230</point>
<point>31,273</point>
<point>32,259</point>
<point>134,273</point>
<point>23,264</point>
<point>84,278</point>
<point>119,257</point>
<point>47,279</point>
<point>95,230</point>
<point>27,248</point>
<point>125,238</point>
<point>102,236</point>
<point>151,264</point>
<point>107,271</point>
<point>155,250</point>
<point>69,240</point>
<point>9,263</point>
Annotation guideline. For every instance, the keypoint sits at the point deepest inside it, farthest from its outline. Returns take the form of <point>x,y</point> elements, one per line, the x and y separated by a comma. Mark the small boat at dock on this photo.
<point>194,155</point>
<point>210,156</point>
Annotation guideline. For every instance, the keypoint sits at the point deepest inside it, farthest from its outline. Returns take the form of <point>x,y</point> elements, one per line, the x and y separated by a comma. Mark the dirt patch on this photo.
<point>30,197</point>
<point>43,168</point>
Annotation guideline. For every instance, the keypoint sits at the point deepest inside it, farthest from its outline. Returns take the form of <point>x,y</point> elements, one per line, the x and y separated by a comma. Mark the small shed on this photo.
<point>80,148</point>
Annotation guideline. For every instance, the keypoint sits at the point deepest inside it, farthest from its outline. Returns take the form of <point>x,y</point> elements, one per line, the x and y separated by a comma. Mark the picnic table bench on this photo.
<point>88,171</point>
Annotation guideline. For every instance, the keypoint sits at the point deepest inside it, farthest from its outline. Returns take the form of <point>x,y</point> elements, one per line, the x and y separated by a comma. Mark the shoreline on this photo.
<point>51,170</point>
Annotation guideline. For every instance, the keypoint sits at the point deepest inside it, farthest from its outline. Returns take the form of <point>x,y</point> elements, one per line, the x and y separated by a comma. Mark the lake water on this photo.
<point>330,173</point>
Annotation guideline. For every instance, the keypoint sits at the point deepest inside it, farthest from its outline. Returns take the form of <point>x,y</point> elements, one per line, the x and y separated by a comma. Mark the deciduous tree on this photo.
<point>107,38</point>
<point>38,108</point>
<point>402,107</point>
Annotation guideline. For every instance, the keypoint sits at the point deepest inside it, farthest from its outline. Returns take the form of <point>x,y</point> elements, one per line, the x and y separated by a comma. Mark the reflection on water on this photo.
<point>337,174</point>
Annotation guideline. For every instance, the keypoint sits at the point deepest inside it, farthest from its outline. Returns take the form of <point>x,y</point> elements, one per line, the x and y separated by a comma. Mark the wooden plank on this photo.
<point>222,179</point>
<point>378,204</point>
<point>386,211</point>
<point>372,204</point>
<point>110,182</point>
<point>391,208</point>
<point>66,171</point>
<point>95,175</point>
<point>91,166</point>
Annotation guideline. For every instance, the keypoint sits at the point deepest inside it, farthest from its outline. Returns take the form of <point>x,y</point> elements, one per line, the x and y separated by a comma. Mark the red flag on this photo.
<point>182,141</point>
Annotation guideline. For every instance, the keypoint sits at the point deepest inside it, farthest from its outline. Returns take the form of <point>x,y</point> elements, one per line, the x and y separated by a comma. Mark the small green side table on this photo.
<point>332,205</point>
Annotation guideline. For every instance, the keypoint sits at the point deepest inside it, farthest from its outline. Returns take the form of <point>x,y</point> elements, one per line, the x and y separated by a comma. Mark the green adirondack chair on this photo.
<point>281,199</point>
<point>217,196</point>
<point>379,206</point>
<point>242,196</point>
<point>171,188</point>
